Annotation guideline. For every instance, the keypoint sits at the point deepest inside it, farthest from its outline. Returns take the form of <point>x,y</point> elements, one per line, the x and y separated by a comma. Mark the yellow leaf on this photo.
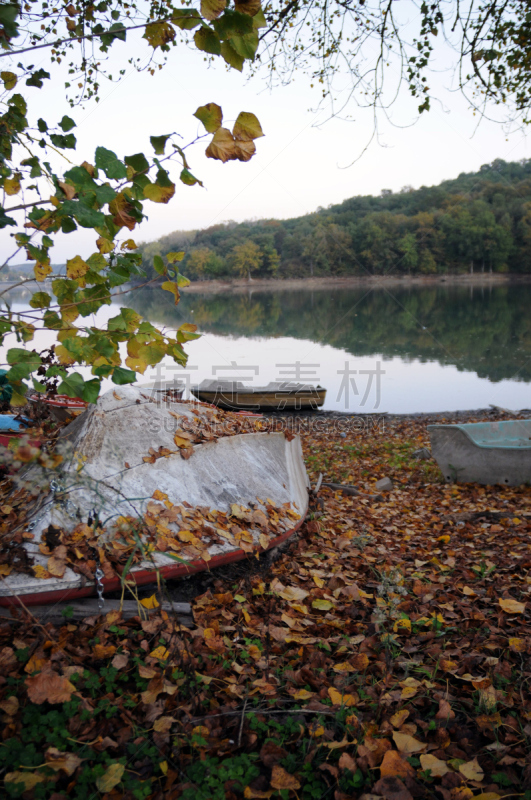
<point>511,606</point>
<point>468,591</point>
<point>12,185</point>
<point>159,33</point>
<point>170,286</point>
<point>487,796</point>
<point>246,128</point>
<point>59,760</point>
<point>292,593</point>
<point>9,79</point>
<point>10,705</point>
<point>393,765</point>
<point>212,9</point>
<point>163,724</point>
<point>76,267</point>
<point>41,271</point>
<point>161,653</point>
<point>163,767</point>
<point>339,699</point>
<point>517,645</point>
<point>402,625</point>
<point>436,766</point>
<point>159,194</point>
<point>407,692</point>
<point>41,572</point>
<point>280,779</point>
<point>322,605</point>
<point>110,778</point>
<point>303,694</point>
<point>344,666</point>
<point>444,539</point>
<point>5,569</point>
<point>64,356</point>
<point>150,602</point>
<point>471,770</point>
<point>28,779</point>
<point>399,718</point>
<point>104,245</point>
<point>408,744</point>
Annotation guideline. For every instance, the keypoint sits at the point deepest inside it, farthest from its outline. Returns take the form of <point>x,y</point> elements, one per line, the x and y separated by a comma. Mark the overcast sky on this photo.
<point>300,164</point>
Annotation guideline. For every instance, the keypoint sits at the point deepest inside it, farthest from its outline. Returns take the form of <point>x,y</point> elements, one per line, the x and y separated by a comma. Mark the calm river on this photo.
<point>374,350</point>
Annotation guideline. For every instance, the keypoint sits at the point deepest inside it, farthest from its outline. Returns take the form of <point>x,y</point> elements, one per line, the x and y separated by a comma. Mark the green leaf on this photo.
<point>36,78</point>
<point>67,142</point>
<point>211,116</point>
<point>189,179</point>
<point>91,390</point>
<point>208,41</point>
<point>159,143</point>
<point>232,58</point>
<point>34,163</point>
<point>246,45</point>
<point>8,14</point>
<point>5,220</point>
<point>42,126</point>
<point>22,362</point>
<point>232,23</point>
<point>174,257</point>
<point>9,79</point>
<point>87,217</point>
<point>120,376</point>
<point>72,385</point>
<point>138,162</point>
<point>186,20</point>
<point>40,300</point>
<point>110,164</point>
<point>182,280</point>
<point>158,265</point>
<point>67,124</point>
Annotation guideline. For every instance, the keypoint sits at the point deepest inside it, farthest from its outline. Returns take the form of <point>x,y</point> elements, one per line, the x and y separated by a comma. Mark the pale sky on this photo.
<point>299,165</point>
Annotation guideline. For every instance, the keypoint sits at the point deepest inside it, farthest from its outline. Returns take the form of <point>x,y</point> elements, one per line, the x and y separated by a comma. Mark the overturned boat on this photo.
<point>276,396</point>
<point>155,488</point>
<point>484,452</point>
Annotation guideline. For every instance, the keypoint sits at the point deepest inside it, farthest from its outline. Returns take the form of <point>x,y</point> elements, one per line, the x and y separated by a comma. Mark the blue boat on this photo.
<point>484,452</point>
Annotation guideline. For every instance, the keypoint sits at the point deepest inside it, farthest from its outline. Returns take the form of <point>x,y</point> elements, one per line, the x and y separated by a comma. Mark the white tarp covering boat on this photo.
<point>204,493</point>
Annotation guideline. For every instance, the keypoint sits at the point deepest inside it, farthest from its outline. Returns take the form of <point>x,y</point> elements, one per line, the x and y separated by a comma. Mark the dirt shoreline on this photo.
<point>239,286</point>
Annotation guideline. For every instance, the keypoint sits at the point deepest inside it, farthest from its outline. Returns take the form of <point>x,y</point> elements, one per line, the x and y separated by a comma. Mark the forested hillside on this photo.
<point>477,222</point>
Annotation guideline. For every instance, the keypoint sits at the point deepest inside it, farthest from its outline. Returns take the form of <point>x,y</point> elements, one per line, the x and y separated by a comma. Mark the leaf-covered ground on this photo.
<point>384,653</point>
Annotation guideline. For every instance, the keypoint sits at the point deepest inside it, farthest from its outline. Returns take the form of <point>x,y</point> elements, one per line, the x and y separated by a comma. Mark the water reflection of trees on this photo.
<point>484,330</point>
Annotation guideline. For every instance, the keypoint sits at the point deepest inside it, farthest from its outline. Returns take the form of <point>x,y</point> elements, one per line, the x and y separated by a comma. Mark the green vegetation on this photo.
<point>477,222</point>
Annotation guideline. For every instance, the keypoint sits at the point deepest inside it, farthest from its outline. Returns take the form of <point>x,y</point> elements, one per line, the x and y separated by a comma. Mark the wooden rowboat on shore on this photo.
<point>276,396</point>
<point>184,486</point>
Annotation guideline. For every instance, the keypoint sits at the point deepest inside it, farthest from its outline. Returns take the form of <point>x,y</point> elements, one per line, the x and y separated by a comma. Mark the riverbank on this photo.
<point>384,652</point>
<point>238,286</point>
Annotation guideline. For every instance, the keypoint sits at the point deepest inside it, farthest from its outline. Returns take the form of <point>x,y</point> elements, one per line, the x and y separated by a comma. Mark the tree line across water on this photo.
<point>478,222</point>
<point>486,330</point>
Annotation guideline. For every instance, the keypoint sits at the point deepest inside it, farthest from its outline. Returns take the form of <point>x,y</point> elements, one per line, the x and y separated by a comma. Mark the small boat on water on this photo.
<point>153,488</point>
<point>484,452</point>
<point>276,396</point>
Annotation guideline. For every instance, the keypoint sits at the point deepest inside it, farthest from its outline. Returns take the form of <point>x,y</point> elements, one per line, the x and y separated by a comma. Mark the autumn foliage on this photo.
<point>385,653</point>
